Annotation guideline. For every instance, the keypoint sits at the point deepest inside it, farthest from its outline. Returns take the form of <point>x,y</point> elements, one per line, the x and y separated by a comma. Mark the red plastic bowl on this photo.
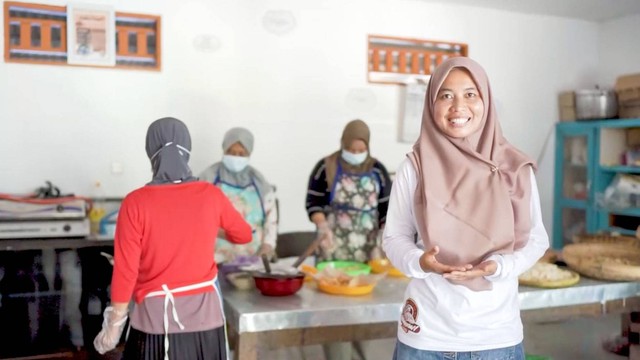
<point>278,285</point>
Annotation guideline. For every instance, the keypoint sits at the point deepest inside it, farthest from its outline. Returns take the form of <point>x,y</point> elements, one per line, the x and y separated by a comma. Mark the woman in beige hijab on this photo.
<point>347,200</point>
<point>472,200</point>
<point>347,197</point>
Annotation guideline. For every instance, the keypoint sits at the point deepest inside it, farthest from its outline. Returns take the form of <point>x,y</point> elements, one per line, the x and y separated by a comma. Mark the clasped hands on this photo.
<point>429,263</point>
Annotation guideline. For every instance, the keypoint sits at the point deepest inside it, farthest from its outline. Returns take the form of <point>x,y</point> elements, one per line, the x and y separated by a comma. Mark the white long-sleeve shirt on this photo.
<point>440,316</point>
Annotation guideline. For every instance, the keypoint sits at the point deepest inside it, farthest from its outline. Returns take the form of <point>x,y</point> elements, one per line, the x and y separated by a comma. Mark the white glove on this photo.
<point>324,232</point>
<point>112,327</point>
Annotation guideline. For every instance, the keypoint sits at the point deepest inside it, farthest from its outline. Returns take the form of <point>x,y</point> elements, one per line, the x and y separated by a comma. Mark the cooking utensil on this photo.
<point>265,262</point>
<point>308,251</point>
<point>596,104</point>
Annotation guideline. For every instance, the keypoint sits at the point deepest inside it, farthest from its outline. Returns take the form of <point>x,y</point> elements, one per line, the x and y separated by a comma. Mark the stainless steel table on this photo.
<point>258,322</point>
<point>54,243</point>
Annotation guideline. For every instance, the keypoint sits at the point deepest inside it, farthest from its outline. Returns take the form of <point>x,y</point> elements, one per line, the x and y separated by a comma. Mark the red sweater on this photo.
<point>166,234</point>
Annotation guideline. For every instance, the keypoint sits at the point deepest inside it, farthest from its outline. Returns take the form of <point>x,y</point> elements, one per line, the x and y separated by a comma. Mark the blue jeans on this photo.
<point>405,352</point>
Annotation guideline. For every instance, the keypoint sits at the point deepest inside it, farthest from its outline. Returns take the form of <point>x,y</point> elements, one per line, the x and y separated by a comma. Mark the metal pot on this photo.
<point>596,104</point>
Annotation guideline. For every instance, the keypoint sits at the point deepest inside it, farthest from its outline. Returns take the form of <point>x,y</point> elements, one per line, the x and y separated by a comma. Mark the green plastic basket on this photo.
<point>351,268</point>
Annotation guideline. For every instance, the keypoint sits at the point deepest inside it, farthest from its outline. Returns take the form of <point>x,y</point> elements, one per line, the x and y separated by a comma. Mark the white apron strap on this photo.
<point>216,285</point>
<point>169,298</point>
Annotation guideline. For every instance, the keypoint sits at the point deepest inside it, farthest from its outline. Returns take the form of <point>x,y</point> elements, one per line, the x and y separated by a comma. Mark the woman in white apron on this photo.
<point>164,238</point>
<point>249,192</point>
<point>347,200</point>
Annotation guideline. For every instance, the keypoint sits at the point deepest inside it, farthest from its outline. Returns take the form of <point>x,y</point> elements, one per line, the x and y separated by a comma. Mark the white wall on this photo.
<point>68,124</point>
<point>619,53</point>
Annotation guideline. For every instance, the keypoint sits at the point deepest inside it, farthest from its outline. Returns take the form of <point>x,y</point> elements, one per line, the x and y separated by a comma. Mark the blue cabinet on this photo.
<point>588,157</point>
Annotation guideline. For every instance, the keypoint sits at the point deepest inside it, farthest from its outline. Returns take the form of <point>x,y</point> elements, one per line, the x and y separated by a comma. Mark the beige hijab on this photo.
<point>473,194</point>
<point>354,130</point>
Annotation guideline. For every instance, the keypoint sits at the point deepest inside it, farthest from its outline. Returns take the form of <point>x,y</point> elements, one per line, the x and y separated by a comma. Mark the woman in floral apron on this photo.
<point>347,200</point>
<point>249,192</point>
<point>347,197</point>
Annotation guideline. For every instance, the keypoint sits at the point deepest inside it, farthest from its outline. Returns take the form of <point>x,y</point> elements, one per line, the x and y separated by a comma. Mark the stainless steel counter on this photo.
<point>587,291</point>
<point>256,319</point>
<point>54,243</point>
<point>253,312</point>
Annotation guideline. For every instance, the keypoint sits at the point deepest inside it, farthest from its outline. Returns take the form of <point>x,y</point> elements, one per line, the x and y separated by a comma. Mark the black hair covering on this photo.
<point>168,147</point>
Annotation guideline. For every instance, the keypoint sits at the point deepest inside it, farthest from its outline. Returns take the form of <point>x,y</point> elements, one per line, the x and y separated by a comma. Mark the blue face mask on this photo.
<point>354,159</point>
<point>235,163</point>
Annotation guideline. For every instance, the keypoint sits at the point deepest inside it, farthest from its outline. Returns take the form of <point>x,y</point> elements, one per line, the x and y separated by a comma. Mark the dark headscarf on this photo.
<point>168,147</point>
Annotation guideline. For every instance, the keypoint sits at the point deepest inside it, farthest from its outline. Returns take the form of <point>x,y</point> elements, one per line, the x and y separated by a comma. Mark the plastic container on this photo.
<point>379,266</point>
<point>240,280</point>
<point>108,223</point>
<point>98,210</point>
<point>351,268</point>
<point>309,272</point>
<point>345,290</point>
<point>237,264</point>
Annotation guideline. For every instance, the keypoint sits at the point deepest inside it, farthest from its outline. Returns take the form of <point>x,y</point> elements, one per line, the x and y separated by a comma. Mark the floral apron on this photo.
<point>248,202</point>
<point>354,215</point>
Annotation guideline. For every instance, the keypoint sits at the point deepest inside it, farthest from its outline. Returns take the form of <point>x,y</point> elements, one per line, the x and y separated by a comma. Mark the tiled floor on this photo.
<point>578,339</point>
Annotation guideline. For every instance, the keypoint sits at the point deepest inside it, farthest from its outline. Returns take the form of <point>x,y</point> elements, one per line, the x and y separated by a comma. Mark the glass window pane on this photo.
<point>151,43</point>
<point>35,35</point>
<point>574,222</point>
<point>133,42</point>
<point>56,36</point>
<point>575,168</point>
<point>14,33</point>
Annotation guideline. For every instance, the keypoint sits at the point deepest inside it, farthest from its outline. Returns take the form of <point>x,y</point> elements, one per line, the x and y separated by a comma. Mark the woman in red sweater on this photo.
<point>164,245</point>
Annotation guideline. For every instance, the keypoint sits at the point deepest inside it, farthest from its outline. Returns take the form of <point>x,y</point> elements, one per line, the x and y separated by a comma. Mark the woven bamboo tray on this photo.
<point>606,239</point>
<point>552,284</point>
<point>618,262</point>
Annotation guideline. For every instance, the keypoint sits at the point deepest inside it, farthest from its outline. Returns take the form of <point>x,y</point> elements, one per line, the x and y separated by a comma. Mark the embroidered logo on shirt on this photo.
<point>409,316</point>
